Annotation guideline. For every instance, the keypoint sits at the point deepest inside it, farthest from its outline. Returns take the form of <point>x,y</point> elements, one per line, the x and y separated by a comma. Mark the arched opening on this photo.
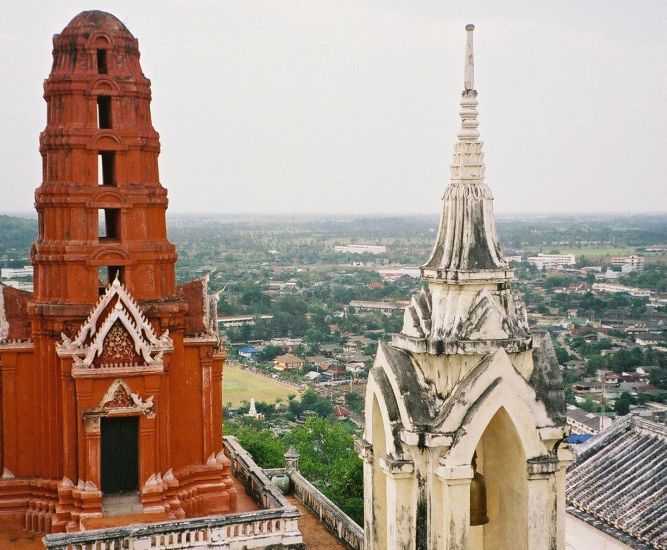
<point>379,513</point>
<point>502,462</point>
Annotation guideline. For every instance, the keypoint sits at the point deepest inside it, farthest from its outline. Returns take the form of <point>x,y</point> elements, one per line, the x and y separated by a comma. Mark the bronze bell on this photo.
<point>477,497</point>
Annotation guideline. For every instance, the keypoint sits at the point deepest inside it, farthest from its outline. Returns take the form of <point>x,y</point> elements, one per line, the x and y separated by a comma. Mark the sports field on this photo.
<point>241,385</point>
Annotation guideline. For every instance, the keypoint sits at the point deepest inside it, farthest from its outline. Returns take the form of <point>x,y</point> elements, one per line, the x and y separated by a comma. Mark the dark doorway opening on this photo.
<point>120,454</point>
<point>102,61</point>
<point>103,111</point>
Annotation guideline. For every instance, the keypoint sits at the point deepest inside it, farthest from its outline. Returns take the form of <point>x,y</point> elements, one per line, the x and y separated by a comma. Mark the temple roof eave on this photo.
<point>458,346</point>
<point>465,276</point>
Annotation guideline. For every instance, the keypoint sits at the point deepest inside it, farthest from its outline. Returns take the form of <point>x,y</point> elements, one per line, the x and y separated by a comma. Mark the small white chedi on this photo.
<point>464,402</point>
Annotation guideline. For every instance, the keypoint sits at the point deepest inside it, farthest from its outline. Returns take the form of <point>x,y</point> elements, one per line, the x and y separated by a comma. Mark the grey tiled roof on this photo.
<point>620,479</point>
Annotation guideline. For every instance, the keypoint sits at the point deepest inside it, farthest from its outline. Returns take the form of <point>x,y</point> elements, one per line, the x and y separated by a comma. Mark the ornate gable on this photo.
<point>116,338</point>
<point>120,400</point>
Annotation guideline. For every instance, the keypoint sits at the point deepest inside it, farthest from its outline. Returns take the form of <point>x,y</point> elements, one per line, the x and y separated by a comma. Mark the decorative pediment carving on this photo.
<point>119,398</point>
<point>417,316</point>
<point>116,335</point>
<point>485,319</point>
<point>465,326</point>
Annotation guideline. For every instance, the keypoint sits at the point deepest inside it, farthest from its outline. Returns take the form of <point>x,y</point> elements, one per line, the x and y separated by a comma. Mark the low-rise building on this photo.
<point>288,362</point>
<point>383,306</point>
<point>583,422</point>
<point>248,352</point>
<point>241,320</point>
<point>620,289</point>
<point>631,263</point>
<point>397,273</point>
<point>551,261</point>
<point>650,338</point>
<point>335,371</point>
<point>16,273</point>
<point>361,249</point>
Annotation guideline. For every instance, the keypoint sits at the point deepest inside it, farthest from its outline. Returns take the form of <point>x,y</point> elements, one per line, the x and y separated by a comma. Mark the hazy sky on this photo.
<point>351,106</point>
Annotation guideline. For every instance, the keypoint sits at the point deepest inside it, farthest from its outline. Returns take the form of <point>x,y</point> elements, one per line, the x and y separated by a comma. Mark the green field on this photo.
<point>241,385</point>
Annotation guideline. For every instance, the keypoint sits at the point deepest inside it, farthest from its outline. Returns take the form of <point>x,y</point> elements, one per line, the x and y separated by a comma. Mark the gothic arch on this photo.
<point>380,401</point>
<point>485,391</point>
<point>501,459</point>
<point>378,481</point>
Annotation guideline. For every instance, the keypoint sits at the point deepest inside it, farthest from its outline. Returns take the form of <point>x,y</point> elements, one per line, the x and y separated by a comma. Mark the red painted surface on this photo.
<point>50,438</point>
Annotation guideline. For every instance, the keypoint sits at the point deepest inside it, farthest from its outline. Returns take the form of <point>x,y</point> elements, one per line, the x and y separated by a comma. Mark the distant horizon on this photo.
<point>33,214</point>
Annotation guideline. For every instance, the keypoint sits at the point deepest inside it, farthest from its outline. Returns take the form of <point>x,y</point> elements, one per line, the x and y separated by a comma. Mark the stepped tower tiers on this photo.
<point>111,374</point>
<point>463,446</point>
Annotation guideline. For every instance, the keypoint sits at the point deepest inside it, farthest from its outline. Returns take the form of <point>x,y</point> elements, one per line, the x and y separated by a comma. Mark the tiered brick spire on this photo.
<point>111,343</point>
<point>100,162</point>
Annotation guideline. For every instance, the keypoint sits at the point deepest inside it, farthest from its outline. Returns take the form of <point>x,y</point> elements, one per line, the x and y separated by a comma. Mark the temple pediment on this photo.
<point>116,337</point>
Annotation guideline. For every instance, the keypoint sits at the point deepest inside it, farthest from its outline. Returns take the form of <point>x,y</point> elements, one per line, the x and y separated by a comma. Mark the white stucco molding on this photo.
<point>364,450</point>
<point>397,468</point>
<point>453,473</point>
<point>426,439</point>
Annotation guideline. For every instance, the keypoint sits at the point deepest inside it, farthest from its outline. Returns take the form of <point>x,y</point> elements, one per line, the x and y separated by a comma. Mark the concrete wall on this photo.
<point>581,536</point>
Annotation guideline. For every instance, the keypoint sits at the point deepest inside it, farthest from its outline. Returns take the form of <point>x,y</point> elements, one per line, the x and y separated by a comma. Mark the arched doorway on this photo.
<point>502,462</point>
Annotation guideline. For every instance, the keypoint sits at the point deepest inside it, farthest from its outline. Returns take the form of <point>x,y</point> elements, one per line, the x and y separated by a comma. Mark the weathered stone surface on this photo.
<point>548,380</point>
<point>617,483</point>
<point>454,384</point>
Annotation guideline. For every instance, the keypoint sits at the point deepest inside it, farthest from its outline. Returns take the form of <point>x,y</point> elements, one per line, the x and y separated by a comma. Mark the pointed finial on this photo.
<point>469,75</point>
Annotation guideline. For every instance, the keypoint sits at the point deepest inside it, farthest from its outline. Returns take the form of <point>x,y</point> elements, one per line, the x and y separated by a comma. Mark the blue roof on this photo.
<point>248,349</point>
<point>578,438</point>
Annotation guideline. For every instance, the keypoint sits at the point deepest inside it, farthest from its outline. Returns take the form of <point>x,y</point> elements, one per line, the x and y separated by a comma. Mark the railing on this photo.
<point>253,478</point>
<point>247,530</point>
<point>332,517</point>
<point>276,525</point>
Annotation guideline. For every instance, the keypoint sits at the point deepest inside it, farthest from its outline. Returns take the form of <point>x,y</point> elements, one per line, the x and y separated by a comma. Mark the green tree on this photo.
<point>265,448</point>
<point>622,406</point>
<point>328,460</point>
<point>355,401</point>
<point>269,353</point>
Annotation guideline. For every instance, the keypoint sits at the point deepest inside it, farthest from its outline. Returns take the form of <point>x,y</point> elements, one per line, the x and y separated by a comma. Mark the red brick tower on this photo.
<point>116,387</point>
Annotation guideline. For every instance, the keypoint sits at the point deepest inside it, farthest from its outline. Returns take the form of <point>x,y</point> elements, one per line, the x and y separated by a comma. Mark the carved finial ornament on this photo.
<point>469,75</point>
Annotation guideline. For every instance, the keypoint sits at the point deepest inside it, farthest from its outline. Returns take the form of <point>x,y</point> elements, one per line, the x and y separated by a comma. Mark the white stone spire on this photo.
<point>468,301</point>
<point>467,239</point>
